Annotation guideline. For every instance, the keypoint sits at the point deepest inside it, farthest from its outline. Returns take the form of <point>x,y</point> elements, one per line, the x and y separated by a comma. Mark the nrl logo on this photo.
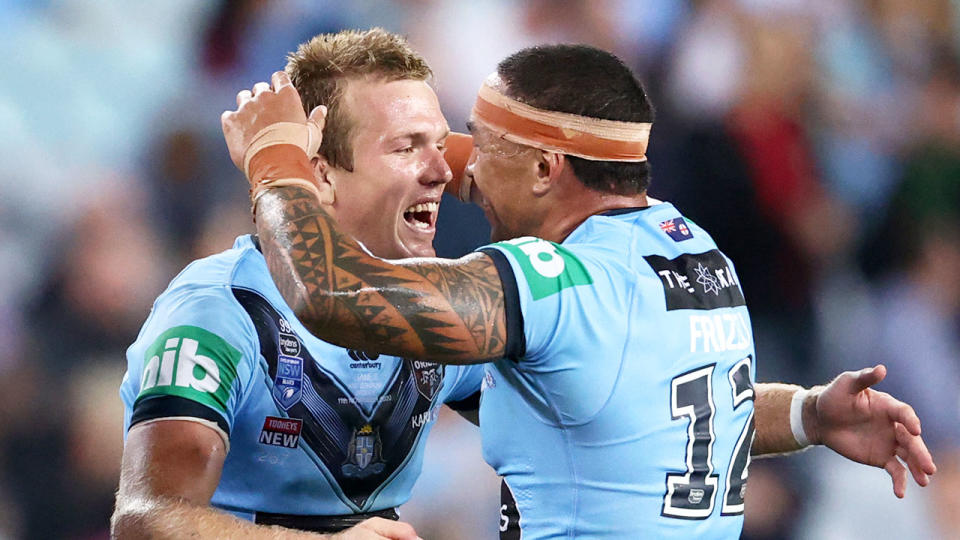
<point>428,376</point>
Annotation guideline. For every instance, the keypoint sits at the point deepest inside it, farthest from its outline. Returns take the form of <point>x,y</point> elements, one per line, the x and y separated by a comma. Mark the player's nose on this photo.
<point>437,171</point>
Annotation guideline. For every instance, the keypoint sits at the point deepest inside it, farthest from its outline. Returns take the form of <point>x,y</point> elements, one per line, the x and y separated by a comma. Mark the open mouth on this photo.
<point>422,215</point>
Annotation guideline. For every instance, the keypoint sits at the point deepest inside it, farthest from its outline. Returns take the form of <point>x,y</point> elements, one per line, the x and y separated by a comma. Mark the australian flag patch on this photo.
<point>677,229</point>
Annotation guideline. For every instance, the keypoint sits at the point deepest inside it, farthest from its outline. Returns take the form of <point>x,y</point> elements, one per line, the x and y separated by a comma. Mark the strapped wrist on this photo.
<point>279,155</point>
<point>278,166</point>
<point>306,136</point>
<point>796,417</point>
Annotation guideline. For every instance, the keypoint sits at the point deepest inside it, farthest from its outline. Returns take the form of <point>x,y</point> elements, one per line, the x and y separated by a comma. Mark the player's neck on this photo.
<point>572,209</point>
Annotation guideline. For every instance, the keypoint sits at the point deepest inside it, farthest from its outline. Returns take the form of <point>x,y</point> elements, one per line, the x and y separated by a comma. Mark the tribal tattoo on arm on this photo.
<point>449,311</point>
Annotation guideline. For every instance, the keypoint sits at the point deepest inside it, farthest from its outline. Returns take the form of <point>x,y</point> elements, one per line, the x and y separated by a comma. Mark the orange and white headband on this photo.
<point>581,136</point>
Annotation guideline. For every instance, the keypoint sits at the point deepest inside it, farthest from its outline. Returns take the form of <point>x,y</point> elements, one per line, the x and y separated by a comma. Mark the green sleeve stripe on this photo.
<point>548,267</point>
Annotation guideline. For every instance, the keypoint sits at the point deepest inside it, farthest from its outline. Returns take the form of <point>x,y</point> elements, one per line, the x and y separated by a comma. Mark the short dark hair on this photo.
<point>321,68</point>
<point>583,80</point>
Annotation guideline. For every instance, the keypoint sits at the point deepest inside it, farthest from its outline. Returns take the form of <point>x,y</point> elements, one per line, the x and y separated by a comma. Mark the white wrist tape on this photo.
<point>796,417</point>
<point>307,136</point>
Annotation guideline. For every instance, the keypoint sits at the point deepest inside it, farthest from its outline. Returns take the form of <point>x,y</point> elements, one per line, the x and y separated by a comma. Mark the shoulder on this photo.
<point>202,299</point>
<point>542,266</point>
<point>221,268</point>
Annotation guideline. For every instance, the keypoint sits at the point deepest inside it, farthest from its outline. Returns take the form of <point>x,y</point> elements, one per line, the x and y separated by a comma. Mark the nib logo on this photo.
<point>190,362</point>
<point>185,362</point>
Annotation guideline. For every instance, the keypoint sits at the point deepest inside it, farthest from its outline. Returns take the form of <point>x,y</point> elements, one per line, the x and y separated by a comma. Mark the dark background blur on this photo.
<point>818,141</point>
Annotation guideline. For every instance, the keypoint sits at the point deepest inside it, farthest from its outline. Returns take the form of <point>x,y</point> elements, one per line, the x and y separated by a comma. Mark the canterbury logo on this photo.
<point>180,365</point>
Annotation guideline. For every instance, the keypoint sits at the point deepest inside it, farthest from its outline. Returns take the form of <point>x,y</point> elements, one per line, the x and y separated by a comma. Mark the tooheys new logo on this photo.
<point>548,267</point>
<point>190,362</point>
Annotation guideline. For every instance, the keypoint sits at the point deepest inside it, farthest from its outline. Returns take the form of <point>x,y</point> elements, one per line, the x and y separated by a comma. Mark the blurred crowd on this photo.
<point>818,141</point>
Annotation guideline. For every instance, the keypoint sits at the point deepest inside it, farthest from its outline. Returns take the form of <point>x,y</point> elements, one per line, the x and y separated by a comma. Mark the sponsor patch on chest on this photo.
<point>281,431</point>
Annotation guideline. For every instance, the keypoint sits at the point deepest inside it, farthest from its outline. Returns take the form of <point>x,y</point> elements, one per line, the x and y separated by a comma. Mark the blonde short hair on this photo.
<point>321,68</point>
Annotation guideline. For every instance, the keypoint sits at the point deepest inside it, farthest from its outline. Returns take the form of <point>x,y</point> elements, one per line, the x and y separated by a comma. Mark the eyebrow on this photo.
<point>417,136</point>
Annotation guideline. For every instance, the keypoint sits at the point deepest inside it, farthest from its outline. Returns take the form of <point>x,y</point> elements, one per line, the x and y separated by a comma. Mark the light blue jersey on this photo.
<point>312,429</point>
<point>626,408</point>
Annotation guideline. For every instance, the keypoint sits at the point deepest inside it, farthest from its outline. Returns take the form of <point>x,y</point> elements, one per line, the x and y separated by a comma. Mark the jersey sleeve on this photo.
<point>541,281</point>
<point>194,355</point>
<point>465,393</point>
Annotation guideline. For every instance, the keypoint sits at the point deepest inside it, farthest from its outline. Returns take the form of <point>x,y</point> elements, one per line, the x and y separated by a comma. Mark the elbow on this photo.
<point>128,523</point>
<point>141,518</point>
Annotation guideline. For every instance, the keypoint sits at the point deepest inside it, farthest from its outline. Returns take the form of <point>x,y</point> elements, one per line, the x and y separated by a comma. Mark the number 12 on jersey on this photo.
<point>692,494</point>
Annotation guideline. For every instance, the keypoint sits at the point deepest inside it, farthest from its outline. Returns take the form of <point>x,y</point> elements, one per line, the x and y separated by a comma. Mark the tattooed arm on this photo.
<point>449,311</point>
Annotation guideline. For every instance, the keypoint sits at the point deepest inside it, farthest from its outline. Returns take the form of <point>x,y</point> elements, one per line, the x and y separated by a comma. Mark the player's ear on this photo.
<point>549,166</point>
<point>325,177</point>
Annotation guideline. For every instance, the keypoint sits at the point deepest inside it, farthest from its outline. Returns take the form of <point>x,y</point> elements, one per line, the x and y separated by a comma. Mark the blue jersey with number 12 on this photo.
<point>626,409</point>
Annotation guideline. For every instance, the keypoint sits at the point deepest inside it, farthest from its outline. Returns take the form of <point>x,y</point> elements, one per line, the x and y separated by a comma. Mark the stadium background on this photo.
<point>819,140</point>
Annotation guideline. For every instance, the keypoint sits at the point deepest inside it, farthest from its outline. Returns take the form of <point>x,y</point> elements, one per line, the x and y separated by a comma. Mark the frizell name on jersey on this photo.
<point>719,333</point>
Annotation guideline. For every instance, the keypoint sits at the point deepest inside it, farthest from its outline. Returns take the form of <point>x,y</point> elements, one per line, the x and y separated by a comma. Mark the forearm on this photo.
<point>440,310</point>
<point>772,419</point>
<point>297,237</point>
<point>169,472</point>
<point>161,518</point>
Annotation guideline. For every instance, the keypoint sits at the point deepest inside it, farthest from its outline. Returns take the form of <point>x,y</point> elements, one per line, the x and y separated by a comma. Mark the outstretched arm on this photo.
<point>440,310</point>
<point>852,419</point>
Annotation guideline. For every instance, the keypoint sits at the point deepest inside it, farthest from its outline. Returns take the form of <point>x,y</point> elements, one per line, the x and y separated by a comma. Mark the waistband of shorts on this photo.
<point>321,524</point>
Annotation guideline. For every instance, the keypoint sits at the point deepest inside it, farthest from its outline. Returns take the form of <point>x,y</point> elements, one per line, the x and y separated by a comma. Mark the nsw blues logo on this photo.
<point>677,229</point>
<point>288,384</point>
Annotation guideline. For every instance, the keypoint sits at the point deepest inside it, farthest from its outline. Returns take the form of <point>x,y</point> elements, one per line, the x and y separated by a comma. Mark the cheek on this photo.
<point>378,189</point>
<point>501,184</point>
<point>487,176</point>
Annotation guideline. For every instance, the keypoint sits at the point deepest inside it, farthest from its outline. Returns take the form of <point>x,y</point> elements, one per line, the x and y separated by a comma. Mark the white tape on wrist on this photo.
<point>796,417</point>
<point>306,136</point>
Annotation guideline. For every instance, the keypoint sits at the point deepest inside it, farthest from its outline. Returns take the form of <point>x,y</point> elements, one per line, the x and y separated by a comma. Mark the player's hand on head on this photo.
<point>267,104</point>
<point>872,427</point>
<point>378,529</point>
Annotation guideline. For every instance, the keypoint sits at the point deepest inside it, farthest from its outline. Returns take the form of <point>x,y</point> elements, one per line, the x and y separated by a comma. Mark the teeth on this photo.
<point>423,207</point>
